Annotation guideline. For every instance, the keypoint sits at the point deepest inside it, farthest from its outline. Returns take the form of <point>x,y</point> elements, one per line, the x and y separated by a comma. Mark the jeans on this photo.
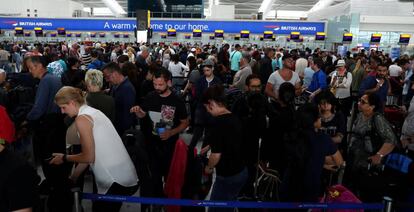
<point>228,188</point>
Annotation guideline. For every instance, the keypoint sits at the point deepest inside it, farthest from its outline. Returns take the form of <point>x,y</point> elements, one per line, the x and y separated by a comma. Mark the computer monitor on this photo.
<point>172,33</point>
<point>320,36</point>
<point>375,38</point>
<point>61,31</point>
<point>18,31</point>
<point>197,34</point>
<point>294,36</point>
<point>347,38</point>
<point>219,34</point>
<point>245,34</point>
<point>404,39</point>
<point>38,32</point>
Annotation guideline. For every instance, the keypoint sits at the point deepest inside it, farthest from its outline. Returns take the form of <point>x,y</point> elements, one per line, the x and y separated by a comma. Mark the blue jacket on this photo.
<point>202,86</point>
<point>96,64</point>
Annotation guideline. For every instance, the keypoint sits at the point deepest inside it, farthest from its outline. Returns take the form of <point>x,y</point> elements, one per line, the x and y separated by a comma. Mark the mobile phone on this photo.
<point>50,158</point>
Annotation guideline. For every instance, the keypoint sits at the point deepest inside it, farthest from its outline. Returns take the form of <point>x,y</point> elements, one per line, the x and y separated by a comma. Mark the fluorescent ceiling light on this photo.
<point>290,14</point>
<point>114,6</point>
<point>102,11</point>
<point>265,4</point>
<point>321,4</point>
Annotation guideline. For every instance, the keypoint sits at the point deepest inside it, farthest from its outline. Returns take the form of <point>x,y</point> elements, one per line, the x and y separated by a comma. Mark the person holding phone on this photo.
<point>102,149</point>
<point>378,84</point>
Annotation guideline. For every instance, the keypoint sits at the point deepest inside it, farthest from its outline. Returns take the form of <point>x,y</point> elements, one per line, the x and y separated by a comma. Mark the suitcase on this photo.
<point>395,116</point>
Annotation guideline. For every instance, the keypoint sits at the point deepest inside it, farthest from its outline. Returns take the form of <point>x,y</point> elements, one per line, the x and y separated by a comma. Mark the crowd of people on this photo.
<point>303,113</point>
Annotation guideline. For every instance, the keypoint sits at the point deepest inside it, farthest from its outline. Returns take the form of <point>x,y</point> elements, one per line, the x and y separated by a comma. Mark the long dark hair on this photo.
<point>297,141</point>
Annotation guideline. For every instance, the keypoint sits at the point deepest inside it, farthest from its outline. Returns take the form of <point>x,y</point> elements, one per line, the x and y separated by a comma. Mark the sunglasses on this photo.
<point>363,101</point>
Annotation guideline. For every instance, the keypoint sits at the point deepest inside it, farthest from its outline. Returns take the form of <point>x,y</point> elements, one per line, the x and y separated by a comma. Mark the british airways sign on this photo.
<point>162,25</point>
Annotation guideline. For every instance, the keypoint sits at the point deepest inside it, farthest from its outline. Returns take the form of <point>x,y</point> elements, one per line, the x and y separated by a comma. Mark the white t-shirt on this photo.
<point>112,162</point>
<point>177,70</point>
<point>276,80</point>
<point>344,83</point>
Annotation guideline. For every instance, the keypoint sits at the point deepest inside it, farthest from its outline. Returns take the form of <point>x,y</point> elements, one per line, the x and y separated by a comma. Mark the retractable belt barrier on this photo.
<point>231,204</point>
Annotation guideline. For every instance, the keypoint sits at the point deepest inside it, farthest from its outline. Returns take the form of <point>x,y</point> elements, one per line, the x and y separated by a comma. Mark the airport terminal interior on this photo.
<point>206,105</point>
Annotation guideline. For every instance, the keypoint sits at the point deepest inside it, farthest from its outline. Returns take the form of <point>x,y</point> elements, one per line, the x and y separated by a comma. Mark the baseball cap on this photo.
<point>394,70</point>
<point>208,62</point>
<point>340,63</point>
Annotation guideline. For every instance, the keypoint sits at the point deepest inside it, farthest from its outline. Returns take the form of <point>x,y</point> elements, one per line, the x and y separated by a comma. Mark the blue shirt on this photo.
<point>45,97</point>
<point>235,60</point>
<point>318,81</point>
<point>369,83</point>
<point>124,96</point>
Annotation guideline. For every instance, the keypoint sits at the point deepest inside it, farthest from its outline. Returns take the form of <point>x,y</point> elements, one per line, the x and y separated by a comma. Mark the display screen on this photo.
<point>375,39</point>
<point>187,36</point>
<point>78,35</point>
<point>116,35</point>
<point>27,34</point>
<point>38,32</point>
<point>172,34</point>
<point>61,31</point>
<point>294,36</point>
<point>219,34</point>
<point>237,38</point>
<point>163,36</point>
<point>197,34</point>
<point>18,31</point>
<point>93,35</point>
<point>299,40</point>
<point>212,37</point>
<point>268,36</point>
<point>53,34</point>
<point>347,38</point>
<point>404,39</point>
<point>126,35</point>
<point>102,35</point>
<point>68,35</point>
<point>244,35</point>
<point>320,37</point>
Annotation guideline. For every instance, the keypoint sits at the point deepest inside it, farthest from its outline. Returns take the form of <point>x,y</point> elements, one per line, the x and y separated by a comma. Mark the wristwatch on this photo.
<point>381,155</point>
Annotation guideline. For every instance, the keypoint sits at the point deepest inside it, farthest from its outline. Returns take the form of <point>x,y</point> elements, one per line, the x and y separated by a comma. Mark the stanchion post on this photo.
<point>76,200</point>
<point>388,204</point>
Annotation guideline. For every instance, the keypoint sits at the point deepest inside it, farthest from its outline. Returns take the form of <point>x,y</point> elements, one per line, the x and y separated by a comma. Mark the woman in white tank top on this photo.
<point>102,149</point>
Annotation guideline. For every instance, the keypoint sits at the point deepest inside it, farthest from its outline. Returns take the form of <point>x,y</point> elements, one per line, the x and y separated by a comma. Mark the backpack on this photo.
<point>232,95</point>
<point>135,145</point>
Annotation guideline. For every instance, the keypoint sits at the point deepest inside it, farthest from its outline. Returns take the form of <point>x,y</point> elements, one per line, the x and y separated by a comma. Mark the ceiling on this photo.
<point>243,8</point>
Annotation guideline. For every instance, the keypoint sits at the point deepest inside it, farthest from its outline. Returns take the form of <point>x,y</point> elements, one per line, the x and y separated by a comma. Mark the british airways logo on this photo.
<point>14,23</point>
<point>274,27</point>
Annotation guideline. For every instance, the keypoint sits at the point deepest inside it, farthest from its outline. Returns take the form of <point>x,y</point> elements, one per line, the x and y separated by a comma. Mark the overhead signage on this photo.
<point>162,25</point>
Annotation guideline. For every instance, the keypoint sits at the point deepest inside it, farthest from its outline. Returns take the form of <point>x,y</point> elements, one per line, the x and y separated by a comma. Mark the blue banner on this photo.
<point>162,25</point>
<point>231,204</point>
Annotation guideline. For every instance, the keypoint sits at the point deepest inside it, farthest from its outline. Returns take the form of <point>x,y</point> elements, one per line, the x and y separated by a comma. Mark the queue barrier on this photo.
<point>232,204</point>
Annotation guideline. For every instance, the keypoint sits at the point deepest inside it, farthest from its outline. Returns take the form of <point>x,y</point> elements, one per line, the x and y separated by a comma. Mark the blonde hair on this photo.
<point>94,77</point>
<point>68,93</point>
